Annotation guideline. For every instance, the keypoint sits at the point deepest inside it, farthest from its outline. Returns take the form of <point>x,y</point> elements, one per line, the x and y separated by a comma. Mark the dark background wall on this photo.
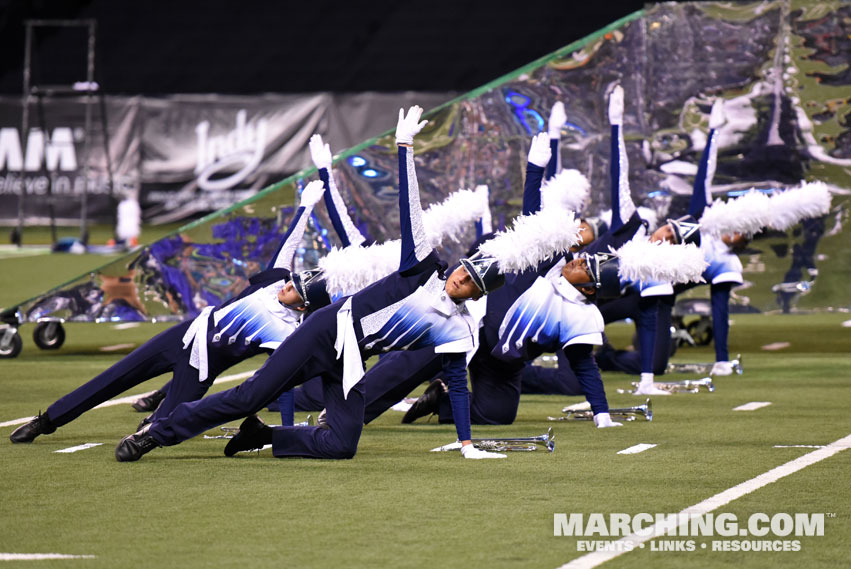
<point>217,46</point>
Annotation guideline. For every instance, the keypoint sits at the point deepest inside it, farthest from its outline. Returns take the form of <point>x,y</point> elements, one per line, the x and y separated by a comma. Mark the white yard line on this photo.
<point>126,325</point>
<point>40,556</point>
<point>721,499</point>
<point>132,398</point>
<point>637,448</point>
<point>752,406</point>
<point>78,447</point>
<point>116,347</point>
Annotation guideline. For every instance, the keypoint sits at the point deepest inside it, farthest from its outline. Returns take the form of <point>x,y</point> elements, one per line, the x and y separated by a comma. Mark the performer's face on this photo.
<point>576,273</point>
<point>586,234</point>
<point>735,241</point>
<point>289,296</point>
<point>664,233</point>
<point>460,285</point>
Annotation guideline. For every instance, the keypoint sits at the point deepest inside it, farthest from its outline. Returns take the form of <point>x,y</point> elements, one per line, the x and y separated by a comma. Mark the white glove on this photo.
<point>722,368</point>
<point>312,193</point>
<point>320,153</point>
<point>539,151</point>
<point>616,106</point>
<point>469,451</point>
<point>409,126</point>
<point>451,446</point>
<point>603,420</point>
<point>557,119</point>
<point>716,117</point>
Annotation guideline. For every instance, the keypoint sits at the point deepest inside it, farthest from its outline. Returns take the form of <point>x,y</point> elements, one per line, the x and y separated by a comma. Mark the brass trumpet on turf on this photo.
<point>704,367</point>
<point>624,414</point>
<point>523,444</point>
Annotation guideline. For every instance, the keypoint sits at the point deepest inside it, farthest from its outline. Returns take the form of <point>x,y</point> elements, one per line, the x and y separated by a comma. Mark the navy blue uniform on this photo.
<point>407,310</point>
<point>248,324</point>
<point>495,374</point>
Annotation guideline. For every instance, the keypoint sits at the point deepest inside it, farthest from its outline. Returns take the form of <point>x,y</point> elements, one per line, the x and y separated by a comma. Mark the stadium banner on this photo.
<point>48,166</point>
<point>205,152</point>
<point>181,155</point>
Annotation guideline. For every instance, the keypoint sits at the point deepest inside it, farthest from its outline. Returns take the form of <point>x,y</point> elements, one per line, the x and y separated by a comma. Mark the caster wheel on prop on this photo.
<point>701,331</point>
<point>10,343</point>
<point>49,335</point>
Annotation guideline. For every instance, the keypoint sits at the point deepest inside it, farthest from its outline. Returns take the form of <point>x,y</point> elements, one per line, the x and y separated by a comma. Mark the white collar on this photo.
<point>569,292</point>
<point>445,305</point>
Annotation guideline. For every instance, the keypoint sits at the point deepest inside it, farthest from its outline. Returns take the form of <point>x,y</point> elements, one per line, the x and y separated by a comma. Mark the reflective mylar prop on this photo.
<point>780,67</point>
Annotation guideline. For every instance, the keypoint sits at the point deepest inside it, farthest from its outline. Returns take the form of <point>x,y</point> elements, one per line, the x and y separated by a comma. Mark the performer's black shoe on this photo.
<point>428,403</point>
<point>39,425</point>
<point>135,446</point>
<point>253,434</point>
<point>144,422</point>
<point>149,403</point>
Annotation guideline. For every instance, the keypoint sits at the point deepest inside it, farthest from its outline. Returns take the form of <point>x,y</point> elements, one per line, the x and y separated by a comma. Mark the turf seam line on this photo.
<point>132,398</point>
<point>40,556</point>
<point>83,446</point>
<point>596,558</point>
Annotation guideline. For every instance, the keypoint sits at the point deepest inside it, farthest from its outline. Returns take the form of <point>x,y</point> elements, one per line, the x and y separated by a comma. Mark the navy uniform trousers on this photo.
<point>559,380</point>
<point>161,354</point>
<point>308,353</point>
<point>644,311</point>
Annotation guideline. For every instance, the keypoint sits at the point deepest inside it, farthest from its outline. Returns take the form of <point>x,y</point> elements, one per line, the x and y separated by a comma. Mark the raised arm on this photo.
<point>346,230</point>
<point>622,205</point>
<point>558,118</point>
<point>539,156</point>
<point>484,224</point>
<point>587,373</point>
<point>415,245</point>
<point>311,194</point>
<point>701,195</point>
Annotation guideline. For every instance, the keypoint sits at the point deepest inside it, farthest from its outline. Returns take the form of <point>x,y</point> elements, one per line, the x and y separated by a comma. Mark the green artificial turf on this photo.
<point>398,505</point>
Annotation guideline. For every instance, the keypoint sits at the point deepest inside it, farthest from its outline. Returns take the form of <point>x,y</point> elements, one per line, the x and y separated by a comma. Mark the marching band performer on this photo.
<point>560,291</point>
<point>644,302</point>
<point>410,309</point>
<point>257,320</point>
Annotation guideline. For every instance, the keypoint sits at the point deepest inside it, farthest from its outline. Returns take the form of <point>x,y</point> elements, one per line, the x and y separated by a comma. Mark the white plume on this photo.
<point>533,239</point>
<point>353,268</point>
<point>660,261</point>
<point>746,214</point>
<point>453,216</point>
<point>568,189</point>
<point>791,206</point>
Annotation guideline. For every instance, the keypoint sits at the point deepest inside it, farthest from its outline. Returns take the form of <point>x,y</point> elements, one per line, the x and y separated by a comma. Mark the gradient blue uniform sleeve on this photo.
<point>415,246</point>
<point>343,225</point>
<point>455,374</point>
<point>283,258</point>
<point>336,222</point>
<point>588,374</point>
<point>552,165</point>
<point>705,171</point>
<point>532,189</point>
